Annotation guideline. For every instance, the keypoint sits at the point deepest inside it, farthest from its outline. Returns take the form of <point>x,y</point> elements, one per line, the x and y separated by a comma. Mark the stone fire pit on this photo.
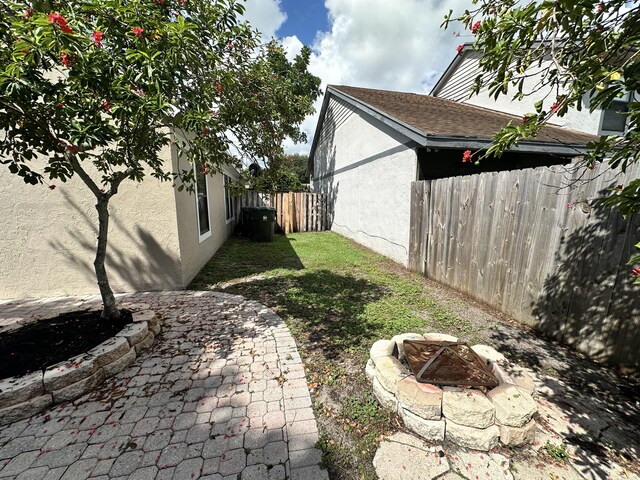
<point>471,417</point>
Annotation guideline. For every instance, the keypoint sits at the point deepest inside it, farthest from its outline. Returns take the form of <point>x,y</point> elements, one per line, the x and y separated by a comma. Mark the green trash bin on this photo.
<point>259,223</point>
<point>247,221</point>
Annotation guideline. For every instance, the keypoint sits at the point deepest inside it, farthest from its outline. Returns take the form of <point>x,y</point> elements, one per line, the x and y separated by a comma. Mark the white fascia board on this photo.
<point>404,128</point>
<point>316,135</point>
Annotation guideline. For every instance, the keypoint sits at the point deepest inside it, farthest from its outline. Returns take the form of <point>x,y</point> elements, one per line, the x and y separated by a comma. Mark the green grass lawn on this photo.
<point>337,298</point>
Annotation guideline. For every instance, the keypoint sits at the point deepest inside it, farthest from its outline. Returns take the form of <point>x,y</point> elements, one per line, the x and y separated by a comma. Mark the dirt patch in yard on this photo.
<point>40,344</point>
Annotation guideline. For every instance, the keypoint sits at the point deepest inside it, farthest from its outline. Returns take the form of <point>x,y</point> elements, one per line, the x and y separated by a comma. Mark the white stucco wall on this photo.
<point>48,237</point>
<point>366,169</point>
<point>458,87</point>
<point>193,253</point>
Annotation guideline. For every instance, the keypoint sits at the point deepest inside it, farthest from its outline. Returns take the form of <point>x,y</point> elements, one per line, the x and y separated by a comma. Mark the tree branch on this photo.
<point>84,176</point>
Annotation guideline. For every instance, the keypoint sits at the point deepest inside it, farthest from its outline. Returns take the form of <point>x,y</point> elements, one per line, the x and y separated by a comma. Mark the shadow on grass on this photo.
<point>243,258</point>
<point>324,307</point>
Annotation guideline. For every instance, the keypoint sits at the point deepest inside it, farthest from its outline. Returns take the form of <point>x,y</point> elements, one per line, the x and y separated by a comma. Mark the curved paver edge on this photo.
<point>24,396</point>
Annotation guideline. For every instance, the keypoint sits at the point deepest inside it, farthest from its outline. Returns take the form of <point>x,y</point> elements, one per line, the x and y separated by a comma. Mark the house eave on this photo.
<point>405,129</point>
<point>523,146</point>
<point>314,144</point>
<point>439,140</point>
<point>450,141</point>
<point>398,125</point>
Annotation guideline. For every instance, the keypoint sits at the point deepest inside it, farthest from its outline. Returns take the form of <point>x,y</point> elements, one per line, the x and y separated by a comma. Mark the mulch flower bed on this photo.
<point>43,343</point>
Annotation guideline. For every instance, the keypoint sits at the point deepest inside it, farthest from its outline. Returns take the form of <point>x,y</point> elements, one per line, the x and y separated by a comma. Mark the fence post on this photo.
<point>416,227</point>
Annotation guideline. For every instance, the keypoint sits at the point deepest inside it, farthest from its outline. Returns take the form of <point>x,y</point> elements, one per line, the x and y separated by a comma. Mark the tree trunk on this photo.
<point>110,310</point>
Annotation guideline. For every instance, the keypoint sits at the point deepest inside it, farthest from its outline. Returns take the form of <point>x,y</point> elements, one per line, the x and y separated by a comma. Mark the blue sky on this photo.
<point>364,43</point>
<point>304,19</point>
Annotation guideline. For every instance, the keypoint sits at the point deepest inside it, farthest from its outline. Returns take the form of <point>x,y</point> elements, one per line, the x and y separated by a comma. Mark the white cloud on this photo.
<point>382,44</point>
<point>266,16</point>
<point>389,45</point>
<point>292,46</point>
<point>371,43</point>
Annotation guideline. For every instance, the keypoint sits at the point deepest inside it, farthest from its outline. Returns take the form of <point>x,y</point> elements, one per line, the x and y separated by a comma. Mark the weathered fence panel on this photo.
<point>538,245</point>
<point>295,211</point>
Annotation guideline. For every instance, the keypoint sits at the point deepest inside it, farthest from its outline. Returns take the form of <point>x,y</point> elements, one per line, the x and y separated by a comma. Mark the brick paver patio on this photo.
<point>222,394</point>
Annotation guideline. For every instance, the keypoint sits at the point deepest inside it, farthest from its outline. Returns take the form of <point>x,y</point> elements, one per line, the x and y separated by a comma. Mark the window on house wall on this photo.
<point>202,203</point>
<point>228,199</point>
<point>613,120</point>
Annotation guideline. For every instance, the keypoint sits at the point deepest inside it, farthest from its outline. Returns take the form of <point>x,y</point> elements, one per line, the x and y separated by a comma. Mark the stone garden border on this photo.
<point>466,417</point>
<point>27,395</point>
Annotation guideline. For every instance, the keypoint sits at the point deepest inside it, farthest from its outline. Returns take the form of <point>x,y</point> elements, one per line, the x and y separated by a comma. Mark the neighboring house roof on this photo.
<point>440,123</point>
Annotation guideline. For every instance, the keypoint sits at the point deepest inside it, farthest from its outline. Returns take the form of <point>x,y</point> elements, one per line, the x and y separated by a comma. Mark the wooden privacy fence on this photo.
<point>551,257</point>
<point>295,211</point>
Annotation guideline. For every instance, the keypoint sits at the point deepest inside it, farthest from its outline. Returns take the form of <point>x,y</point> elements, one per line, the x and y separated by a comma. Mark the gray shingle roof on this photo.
<point>440,117</point>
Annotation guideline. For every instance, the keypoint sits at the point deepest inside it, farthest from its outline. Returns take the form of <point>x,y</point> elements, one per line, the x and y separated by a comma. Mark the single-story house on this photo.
<point>159,238</point>
<point>370,145</point>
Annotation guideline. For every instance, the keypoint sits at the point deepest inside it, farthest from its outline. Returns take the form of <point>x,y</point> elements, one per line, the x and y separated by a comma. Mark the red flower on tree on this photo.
<point>555,107</point>
<point>475,27</point>
<point>219,87</point>
<point>66,59</point>
<point>138,31</point>
<point>525,119</point>
<point>106,105</point>
<point>467,156</point>
<point>635,272</point>
<point>459,48</point>
<point>97,38</point>
<point>27,13</point>
<point>59,20</point>
<point>72,148</point>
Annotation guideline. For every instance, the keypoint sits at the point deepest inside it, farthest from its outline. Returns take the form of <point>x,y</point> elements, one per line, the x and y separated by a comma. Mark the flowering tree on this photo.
<point>96,88</point>
<point>580,50</point>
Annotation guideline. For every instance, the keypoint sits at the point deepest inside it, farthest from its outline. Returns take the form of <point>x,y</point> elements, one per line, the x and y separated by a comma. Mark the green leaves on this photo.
<point>538,106</point>
<point>626,198</point>
<point>562,53</point>
<point>154,65</point>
